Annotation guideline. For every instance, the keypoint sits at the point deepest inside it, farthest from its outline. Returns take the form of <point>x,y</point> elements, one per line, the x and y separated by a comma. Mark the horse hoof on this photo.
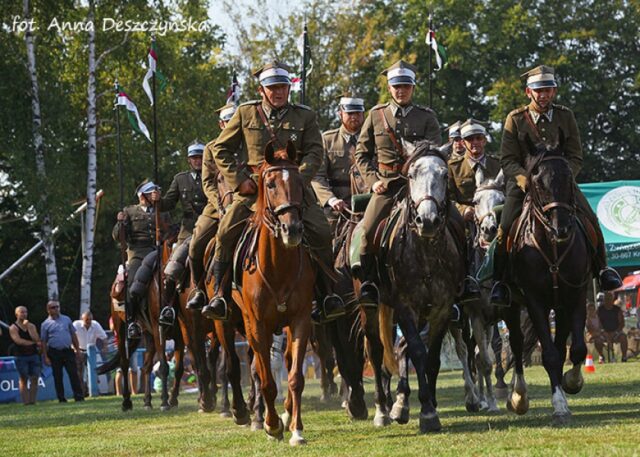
<point>357,410</point>
<point>501,392</point>
<point>276,433</point>
<point>285,417</point>
<point>473,407</point>
<point>572,383</point>
<point>518,404</point>
<point>226,413</point>
<point>399,413</point>
<point>381,420</point>
<point>148,407</point>
<point>344,404</point>
<point>165,408</point>
<point>430,423</point>
<point>561,420</point>
<point>127,405</point>
<point>242,419</point>
<point>297,439</point>
<point>324,397</point>
<point>173,403</point>
<point>257,425</point>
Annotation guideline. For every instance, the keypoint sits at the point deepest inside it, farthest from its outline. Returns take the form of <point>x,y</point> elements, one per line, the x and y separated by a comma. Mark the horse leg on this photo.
<point>179,371</point>
<point>225,407</point>
<point>485,369</point>
<point>572,381</point>
<point>349,356</point>
<point>300,332</point>
<point>324,350</point>
<point>147,368</point>
<point>429,421</point>
<point>238,406</point>
<point>124,368</point>
<point>376,352</point>
<point>517,399</point>
<point>496,346</point>
<point>257,423</point>
<point>400,409</point>
<point>471,400</point>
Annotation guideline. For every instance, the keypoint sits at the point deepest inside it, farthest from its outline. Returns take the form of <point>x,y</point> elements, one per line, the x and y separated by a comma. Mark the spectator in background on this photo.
<point>134,367</point>
<point>27,353</point>
<point>88,332</point>
<point>595,333</point>
<point>58,337</point>
<point>612,321</point>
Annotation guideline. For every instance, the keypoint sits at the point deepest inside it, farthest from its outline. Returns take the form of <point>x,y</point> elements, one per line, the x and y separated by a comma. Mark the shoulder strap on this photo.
<point>392,135</point>
<point>263,118</point>
<point>527,117</point>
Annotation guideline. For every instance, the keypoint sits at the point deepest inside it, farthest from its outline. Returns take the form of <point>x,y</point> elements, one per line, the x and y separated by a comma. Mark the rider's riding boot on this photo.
<point>609,279</point>
<point>457,315</point>
<point>470,291</point>
<point>167,313</point>
<point>218,309</point>
<point>134,330</point>
<point>369,294</point>
<point>196,299</point>
<point>332,304</point>
<point>500,293</point>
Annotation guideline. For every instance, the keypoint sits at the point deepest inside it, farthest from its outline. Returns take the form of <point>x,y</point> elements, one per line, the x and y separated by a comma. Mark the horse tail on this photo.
<point>385,322</point>
<point>114,362</point>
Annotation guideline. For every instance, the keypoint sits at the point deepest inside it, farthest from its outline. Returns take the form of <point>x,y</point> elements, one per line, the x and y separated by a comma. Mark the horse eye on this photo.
<point>410,175</point>
<point>271,184</point>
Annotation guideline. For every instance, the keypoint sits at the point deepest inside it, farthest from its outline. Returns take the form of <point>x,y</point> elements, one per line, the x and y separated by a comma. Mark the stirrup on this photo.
<point>195,299</point>
<point>470,291</point>
<point>612,282</point>
<point>210,313</point>
<point>134,331</point>
<point>365,299</point>
<point>503,302</point>
<point>167,316</point>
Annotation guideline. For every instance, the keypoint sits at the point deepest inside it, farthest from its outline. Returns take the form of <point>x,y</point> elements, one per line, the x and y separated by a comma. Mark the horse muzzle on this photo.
<point>291,234</point>
<point>428,228</point>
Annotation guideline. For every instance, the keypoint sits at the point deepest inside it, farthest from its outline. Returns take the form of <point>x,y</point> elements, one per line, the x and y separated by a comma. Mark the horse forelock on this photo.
<point>424,173</point>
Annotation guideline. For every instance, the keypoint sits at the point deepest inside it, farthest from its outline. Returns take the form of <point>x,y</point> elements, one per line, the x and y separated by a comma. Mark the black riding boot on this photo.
<point>369,294</point>
<point>134,330</point>
<point>197,297</point>
<point>218,309</point>
<point>500,293</point>
<point>332,304</point>
<point>167,313</point>
<point>609,279</point>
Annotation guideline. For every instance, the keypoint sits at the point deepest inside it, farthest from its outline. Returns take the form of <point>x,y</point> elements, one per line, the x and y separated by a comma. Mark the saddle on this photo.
<point>244,255</point>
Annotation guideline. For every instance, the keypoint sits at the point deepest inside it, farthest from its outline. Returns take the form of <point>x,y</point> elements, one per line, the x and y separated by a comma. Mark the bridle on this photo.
<point>478,220</point>
<point>270,215</point>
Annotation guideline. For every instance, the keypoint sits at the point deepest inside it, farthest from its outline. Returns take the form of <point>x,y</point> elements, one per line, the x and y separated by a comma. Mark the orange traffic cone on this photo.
<point>589,367</point>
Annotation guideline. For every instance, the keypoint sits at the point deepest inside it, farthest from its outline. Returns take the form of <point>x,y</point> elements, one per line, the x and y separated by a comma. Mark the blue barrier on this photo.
<point>9,383</point>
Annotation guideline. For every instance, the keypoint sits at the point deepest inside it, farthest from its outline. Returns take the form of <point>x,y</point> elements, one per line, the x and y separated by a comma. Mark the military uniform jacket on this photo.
<point>140,232</point>
<point>245,137</point>
<point>417,123</point>
<point>462,179</point>
<point>515,147</point>
<point>188,190</point>
<point>334,177</point>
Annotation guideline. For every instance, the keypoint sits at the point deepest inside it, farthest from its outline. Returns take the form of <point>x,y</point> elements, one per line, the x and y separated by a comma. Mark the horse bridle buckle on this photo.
<point>554,269</point>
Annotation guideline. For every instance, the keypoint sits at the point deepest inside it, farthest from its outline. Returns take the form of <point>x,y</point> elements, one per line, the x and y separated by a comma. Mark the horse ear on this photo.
<point>446,149</point>
<point>500,179</point>
<point>291,151</point>
<point>409,147</point>
<point>269,151</point>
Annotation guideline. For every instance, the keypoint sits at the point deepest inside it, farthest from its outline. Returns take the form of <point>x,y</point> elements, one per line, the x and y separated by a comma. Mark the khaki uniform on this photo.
<point>334,178</point>
<point>411,123</point>
<point>462,179</point>
<point>293,122</point>
<point>140,235</point>
<point>186,187</point>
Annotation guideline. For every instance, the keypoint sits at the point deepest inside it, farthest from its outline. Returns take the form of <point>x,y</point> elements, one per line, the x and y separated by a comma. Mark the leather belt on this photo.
<point>396,167</point>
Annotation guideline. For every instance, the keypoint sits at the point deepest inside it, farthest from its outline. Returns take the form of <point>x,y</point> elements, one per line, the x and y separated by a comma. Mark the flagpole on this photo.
<point>430,70</point>
<point>303,77</point>
<point>121,234</point>
<point>156,176</point>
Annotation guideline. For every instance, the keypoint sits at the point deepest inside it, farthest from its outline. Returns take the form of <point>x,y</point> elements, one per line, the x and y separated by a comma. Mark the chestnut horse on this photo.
<point>278,284</point>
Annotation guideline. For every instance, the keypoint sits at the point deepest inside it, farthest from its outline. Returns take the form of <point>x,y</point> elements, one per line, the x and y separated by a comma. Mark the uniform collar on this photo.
<point>404,110</point>
<point>346,135</point>
<point>482,161</point>
<point>273,113</point>
<point>535,116</point>
<point>195,174</point>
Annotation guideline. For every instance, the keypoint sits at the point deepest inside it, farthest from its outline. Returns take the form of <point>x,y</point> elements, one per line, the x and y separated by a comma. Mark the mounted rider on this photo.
<point>541,121</point>
<point>457,145</point>
<point>462,182</point>
<point>383,130</point>
<point>139,225</point>
<point>185,188</point>
<point>254,125</point>
<point>207,223</point>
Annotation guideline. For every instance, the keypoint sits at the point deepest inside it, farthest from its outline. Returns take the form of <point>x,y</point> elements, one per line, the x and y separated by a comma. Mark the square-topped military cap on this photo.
<point>226,112</point>
<point>454,129</point>
<point>351,104</point>
<point>472,127</point>
<point>401,72</point>
<point>539,77</point>
<point>195,149</point>
<point>274,72</point>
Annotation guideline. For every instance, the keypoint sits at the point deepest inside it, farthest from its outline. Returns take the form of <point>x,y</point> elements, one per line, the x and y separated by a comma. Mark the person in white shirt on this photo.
<point>88,332</point>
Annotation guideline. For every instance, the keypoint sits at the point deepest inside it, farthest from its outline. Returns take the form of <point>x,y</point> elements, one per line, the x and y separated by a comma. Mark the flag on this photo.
<point>438,49</point>
<point>161,79</point>
<point>296,83</point>
<point>305,51</point>
<point>132,113</point>
<point>233,94</point>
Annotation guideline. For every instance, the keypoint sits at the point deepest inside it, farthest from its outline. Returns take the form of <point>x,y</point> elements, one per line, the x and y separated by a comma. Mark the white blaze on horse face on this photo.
<point>428,177</point>
<point>285,175</point>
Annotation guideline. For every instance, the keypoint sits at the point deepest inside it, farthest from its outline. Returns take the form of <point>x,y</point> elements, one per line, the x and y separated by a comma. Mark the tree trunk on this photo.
<point>49,248</point>
<point>90,217</point>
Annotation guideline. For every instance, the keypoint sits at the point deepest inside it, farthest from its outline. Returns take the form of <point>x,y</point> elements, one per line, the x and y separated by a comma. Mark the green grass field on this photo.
<point>606,421</point>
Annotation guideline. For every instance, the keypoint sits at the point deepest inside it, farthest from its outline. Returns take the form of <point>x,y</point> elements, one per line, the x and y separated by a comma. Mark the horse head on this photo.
<point>427,174</point>
<point>281,193</point>
<point>552,188</point>
<point>489,194</point>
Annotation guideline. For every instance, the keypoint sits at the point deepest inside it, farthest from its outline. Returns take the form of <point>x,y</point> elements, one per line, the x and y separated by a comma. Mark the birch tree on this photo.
<point>46,230</point>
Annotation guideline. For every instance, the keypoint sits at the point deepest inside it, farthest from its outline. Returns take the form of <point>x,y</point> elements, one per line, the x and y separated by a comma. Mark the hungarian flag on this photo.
<point>160,78</point>
<point>132,113</point>
<point>305,51</point>
<point>438,49</point>
<point>233,94</point>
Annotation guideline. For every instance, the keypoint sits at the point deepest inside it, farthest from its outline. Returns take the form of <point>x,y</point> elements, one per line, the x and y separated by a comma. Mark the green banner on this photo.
<point>617,205</point>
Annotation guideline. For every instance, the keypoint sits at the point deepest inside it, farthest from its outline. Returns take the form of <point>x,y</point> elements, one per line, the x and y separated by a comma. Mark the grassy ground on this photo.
<point>606,421</point>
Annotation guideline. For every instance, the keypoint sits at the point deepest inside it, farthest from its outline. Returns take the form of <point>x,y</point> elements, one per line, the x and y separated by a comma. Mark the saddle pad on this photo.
<point>485,271</point>
<point>354,249</point>
<point>359,202</point>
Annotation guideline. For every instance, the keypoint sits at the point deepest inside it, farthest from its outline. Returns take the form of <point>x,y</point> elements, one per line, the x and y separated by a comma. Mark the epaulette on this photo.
<point>210,143</point>
<point>251,102</point>
<point>182,173</point>
<point>300,105</point>
<point>331,132</point>
<point>456,159</point>
<point>380,106</point>
<point>561,107</point>
<point>425,108</point>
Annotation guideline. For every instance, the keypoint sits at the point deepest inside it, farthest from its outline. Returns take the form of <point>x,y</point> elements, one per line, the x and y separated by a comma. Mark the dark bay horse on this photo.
<point>278,285</point>
<point>425,268</point>
<point>551,262</point>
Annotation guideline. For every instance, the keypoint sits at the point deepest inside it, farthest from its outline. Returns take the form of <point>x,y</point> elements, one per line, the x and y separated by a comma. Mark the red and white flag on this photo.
<point>233,94</point>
